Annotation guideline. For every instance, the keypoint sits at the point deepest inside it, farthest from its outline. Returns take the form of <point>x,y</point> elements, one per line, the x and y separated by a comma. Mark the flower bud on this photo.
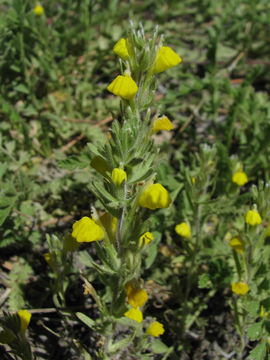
<point>240,178</point>
<point>121,49</point>
<point>183,229</point>
<point>155,329</point>
<point>253,218</point>
<point>118,176</point>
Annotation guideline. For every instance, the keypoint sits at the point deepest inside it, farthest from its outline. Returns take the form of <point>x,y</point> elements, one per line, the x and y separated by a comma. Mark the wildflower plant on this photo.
<point>128,191</point>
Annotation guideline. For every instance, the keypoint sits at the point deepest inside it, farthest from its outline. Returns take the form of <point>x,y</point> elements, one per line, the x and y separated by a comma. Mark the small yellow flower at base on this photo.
<point>134,314</point>
<point>237,244</point>
<point>240,288</point>
<point>166,58</point>
<point>146,238</point>
<point>120,49</point>
<point>123,86</point>
<point>25,317</point>
<point>240,178</point>
<point>155,329</point>
<point>136,297</point>
<point>38,10</point>
<point>154,196</point>
<point>253,218</point>
<point>87,230</point>
<point>183,229</point>
<point>162,123</point>
<point>118,176</point>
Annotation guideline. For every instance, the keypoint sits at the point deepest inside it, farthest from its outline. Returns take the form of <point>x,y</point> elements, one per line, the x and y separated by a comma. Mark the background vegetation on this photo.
<point>54,72</point>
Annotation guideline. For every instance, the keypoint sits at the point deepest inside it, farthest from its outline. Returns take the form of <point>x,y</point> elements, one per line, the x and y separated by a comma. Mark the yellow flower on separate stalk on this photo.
<point>183,229</point>
<point>87,230</point>
<point>253,218</point>
<point>162,123</point>
<point>136,297</point>
<point>123,86</point>
<point>155,329</point>
<point>154,196</point>
<point>38,10</point>
<point>118,176</point>
<point>134,314</point>
<point>70,244</point>
<point>146,238</point>
<point>237,244</point>
<point>166,58</point>
<point>240,178</point>
<point>240,288</point>
<point>25,317</point>
<point>121,49</point>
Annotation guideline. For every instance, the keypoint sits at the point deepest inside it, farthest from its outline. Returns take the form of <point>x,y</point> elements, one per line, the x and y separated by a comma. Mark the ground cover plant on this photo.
<point>135,198</point>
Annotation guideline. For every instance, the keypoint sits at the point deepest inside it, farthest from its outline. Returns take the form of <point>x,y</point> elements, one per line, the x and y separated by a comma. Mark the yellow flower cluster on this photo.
<point>154,196</point>
<point>124,86</point>
<point>137,298</point>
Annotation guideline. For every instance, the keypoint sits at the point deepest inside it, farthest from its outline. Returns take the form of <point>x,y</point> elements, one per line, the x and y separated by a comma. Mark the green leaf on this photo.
<point>86,320</point>
<point>255,331</point>
<point>258,353</point>
<point>158,347</point>
<point>73,162</point>
<point>253,308</point>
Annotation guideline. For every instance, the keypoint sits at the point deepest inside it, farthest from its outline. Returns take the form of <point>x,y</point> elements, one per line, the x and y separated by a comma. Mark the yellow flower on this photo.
<point>134,314</point>
<point>25,317</point>
<point>120,49</point>
<point>237,244</point>
<point>146,238</point>
<point>162,123</point>
<point>155,329</point>
<point>87,230</point>
<point>136,297</point>
<point>118,176</point>
<point>38,10</point>
<point>240,288</point>
<point>123,86</point>
<point>253,218</point>
<point>70,244</point>
<point>183,229</point>
<point>240,178</point>
<point>165,59</point>
<point>154,196</point>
